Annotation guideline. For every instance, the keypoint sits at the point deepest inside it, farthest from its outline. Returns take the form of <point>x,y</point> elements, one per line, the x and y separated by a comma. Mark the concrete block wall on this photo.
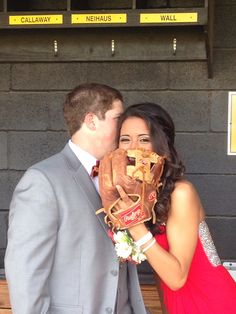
<point>32,127</point>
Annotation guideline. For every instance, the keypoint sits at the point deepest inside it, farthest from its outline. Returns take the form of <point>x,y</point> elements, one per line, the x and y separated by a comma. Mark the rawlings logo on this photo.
<point>152,196</point>
<point>133,215</point>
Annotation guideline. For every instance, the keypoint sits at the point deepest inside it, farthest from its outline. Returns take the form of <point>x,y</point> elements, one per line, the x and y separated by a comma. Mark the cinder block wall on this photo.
<point>32,128</point>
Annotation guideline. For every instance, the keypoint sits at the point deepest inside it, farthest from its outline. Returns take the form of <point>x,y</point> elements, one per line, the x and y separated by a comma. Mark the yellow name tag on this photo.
<point>168,17</point>
<point>233,139</point>
<point>98,18</point>
<point>35,19</point>
<point>232,124</point>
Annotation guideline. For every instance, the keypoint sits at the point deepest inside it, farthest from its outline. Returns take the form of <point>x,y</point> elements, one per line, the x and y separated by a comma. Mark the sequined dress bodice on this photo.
<point>208,244</point>
<point>209,288</point>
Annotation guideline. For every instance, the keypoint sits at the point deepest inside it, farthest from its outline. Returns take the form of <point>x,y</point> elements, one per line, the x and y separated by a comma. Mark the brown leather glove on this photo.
<point>138,172</point>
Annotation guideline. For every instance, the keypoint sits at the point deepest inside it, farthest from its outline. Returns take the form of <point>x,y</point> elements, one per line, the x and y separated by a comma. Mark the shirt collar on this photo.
<point>86,159</point>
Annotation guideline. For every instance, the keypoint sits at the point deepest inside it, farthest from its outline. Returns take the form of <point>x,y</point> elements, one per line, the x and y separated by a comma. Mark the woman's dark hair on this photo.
<point>162,132</point>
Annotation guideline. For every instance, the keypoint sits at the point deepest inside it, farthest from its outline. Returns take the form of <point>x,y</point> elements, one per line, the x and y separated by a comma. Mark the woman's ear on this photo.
<point>89,120</point>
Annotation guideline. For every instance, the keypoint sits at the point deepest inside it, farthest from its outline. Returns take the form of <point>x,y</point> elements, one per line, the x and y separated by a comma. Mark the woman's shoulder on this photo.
<point>185,192</point>
<point>184,188</point>
<point>185,198</point>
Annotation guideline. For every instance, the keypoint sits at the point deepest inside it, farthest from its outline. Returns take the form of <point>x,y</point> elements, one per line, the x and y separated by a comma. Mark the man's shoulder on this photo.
<point>48,162</point>
<point>53,162</point>
<point>50,169</point>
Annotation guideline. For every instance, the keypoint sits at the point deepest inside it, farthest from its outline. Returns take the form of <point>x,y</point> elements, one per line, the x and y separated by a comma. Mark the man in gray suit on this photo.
<point>59,258</point>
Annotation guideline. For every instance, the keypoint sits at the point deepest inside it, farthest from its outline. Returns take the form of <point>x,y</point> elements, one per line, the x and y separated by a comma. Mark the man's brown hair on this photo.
<point>85,98</point>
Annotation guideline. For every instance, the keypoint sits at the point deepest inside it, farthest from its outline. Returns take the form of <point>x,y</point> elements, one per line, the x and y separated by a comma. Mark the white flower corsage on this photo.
<point>125,247</point>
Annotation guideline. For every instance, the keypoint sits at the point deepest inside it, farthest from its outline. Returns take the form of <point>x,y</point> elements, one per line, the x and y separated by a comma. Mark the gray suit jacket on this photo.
<point>59,259</point>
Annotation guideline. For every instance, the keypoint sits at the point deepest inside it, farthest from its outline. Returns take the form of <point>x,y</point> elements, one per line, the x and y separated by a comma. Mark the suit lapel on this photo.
<point>82,178</point>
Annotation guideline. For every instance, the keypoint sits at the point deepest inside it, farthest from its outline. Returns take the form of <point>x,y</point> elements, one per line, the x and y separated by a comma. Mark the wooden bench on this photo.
<point>150,296</point>
<point>4,298</point>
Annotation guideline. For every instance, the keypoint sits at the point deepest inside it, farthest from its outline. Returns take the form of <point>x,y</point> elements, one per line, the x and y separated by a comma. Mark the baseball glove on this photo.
<point>138,173</point>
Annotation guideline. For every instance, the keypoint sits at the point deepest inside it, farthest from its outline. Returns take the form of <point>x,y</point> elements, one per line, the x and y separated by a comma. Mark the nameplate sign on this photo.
<point>35,19</point>
<point>232,123</point>
<point>168,18</point>
<point>98,18</point>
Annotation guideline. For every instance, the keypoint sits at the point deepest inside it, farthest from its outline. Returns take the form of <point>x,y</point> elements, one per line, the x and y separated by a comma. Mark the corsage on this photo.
<point>126,248</point>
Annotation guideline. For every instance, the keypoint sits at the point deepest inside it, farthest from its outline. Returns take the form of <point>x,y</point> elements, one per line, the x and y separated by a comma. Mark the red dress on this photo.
<point>209,288</point>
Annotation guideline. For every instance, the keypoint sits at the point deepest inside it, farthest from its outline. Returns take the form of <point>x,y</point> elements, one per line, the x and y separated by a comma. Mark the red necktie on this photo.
<point>94,171</point>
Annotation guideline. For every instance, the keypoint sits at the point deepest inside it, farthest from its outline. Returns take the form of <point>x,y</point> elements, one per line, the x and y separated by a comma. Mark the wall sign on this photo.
<point>35,19</point>
<point>168,18</point>
<point>232,123</point>
<point>98,18</point>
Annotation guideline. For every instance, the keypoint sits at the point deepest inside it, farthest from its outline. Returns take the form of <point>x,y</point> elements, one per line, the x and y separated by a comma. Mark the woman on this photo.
<point>183,255</point>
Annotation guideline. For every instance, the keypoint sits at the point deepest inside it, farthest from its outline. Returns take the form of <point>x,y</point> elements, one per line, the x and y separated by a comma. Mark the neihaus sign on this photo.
<point>98,18</point>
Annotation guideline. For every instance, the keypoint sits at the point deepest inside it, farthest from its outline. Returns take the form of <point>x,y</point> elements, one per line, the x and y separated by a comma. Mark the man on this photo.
<point>59,258</point>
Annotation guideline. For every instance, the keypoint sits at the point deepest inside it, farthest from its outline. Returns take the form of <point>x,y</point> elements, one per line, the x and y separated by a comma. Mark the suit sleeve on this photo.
<point>32,235</point>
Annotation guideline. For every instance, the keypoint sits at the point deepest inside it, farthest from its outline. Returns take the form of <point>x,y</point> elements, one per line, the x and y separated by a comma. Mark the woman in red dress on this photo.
<point>192,279</point>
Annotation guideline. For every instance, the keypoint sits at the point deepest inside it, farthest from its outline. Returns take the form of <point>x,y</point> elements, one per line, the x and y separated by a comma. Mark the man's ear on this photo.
<point>90,120</point>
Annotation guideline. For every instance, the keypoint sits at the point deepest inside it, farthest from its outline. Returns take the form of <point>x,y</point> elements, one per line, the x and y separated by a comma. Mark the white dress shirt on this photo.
<point>86,159</point>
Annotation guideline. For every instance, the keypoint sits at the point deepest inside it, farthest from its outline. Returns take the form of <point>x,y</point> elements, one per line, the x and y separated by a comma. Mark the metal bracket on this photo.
<point>174,46</point>
<point>112,47</point>
<point>55,47</point>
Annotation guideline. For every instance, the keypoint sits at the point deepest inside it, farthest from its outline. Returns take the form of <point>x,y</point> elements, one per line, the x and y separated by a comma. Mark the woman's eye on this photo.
<point>124,140</point>
<point>145,140</point>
